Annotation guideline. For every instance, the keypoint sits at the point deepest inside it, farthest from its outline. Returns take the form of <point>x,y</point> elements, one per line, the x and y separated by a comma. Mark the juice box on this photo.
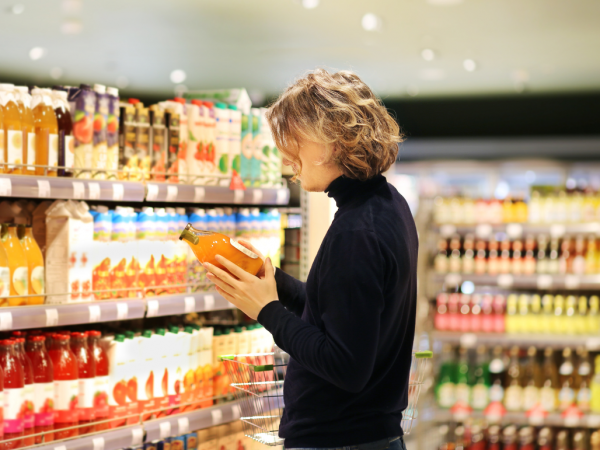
<point>257,148</point>
<point>142,142</point>
<point>158,167</point>
<point>222,156</point>
<point>112,133</point>
<point>235,138</point>
<point>100,149</point>
<point>209,151</point>
<point>195,147</point>
<point>247,151</point>
<point>172,122</point>
<point>82,105</point>
<point>127,140</point>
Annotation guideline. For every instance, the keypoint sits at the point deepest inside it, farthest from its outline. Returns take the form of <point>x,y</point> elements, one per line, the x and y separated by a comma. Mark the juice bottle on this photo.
<point>583,381</point>
<point>46,132</point>
<point>43,387</point>
<point>206,245</point>
<point>66,387</point>
<point>101,380</point>
<point>595,388</point>
<point>28,392</point>
<point>100,148</point>
<point>4,271</point>
<point>444,389</point>
<point>480,393</point>
<point>24,101</point>
<point>566,373</point>
<point>66,145</point>
<point>17,263</point>
<point>531,380</point>
<point>35,263</point>
<point>513,396</point>
<point>13,130</point>
<point>14,383</point>
<point>87,372</point>
<point>112,133</point>
<point>1,406</point>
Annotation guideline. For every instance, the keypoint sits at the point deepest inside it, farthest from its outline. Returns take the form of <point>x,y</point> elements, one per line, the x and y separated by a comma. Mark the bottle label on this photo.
<point>513,398</point>
<point>531,397</point>
<point>4,282</point>
<point>86,399</point>
<point>19,280</point>
<point>28,397</point>
<point>37,279</point>
<point>69,152</point>
<point>31,150</point>
<point>548,398</point>
<point>463,393</point>
<point>243,249</point>
<point>14,147</point>
<point>584,398</point>
<point>14,410</point>
<point>101,396</point>
<point>566,397</point>
<point>480,396</point>
<point>53,150</point>
<point>496,393</point>
<point>43,404</point>
<point>66,394</point>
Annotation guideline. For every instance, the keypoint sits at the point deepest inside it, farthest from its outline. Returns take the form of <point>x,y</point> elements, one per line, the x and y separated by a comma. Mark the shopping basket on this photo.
<point>258,378</point>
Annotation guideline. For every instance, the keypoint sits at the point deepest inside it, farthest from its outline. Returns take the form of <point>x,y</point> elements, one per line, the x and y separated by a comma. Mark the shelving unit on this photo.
<point>541,281</point>
<point>520,229</point>
<point>469,340</point>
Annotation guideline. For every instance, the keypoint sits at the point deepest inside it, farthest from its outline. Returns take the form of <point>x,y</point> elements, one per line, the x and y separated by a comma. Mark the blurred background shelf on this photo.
<point>469,340</point>
<point>541,281</point>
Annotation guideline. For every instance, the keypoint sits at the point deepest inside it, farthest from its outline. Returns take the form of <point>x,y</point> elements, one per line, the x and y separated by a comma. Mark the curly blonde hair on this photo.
<point>338,109</point>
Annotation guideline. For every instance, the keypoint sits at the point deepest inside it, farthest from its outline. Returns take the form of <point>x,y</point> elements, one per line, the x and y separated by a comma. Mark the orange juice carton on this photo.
<point>196,155</point>
<point>235,138</point>
<point>146,369</point>
<point>100,146</point>
<point>119,374</point>
<point>159,151</point>
<point>161,351</point>
<point>128,160</point>
<point>82,104</point>
<point>112,133</point>
<point>222,153</point>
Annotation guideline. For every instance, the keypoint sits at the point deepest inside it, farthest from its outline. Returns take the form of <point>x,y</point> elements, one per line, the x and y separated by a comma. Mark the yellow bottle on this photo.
<point>523,323</point>
<point>24,101</point>
<point>548,313</point>
<point>593,317</point>
<point>1,136</point>
<point>512,320</point>
<point>558,321</point>
<point>582,314</point>
<point>534,318</point>
<point>595,388</point>
<point>13,131</point>
<point>35,264</point>
<point>46,132</point>
<point>17,264</point>
<point>570,318</point>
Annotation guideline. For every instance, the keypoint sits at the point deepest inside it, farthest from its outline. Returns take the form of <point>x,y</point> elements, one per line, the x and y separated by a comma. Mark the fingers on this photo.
<point>269,269</point>
<point>234,268</point>
<point>251,247</point>
<point>221,284</point>
<point>226,294</point>
<point>220,273</point>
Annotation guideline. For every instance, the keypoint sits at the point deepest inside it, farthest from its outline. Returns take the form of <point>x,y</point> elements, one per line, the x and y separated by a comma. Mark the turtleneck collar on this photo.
<point>343,189</point>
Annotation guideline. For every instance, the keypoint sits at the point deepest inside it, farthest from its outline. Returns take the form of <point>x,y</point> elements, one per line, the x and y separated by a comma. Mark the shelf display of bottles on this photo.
<point>87,132</point>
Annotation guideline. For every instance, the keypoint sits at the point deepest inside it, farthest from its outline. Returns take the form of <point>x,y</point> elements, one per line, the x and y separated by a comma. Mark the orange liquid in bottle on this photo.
<point>17,263</point>
<point>4,276</point>
<point>46,132</point>
<point>1,138</point>
<point>24,102</point>
<point>207,244</point>
<point>35,263</point>
<point>13,131</point>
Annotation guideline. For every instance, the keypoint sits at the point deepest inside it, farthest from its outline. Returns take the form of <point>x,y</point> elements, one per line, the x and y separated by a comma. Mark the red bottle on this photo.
<point>66,387</point>
<point>28,418</point>
<point>1,407</point>
<point>43,387</point>
<point>87,374</point>
<point>101,380</point>
<point>14,383</point>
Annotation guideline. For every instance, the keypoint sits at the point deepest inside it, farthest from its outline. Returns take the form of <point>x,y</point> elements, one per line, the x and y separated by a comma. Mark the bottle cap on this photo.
<point>94,333</point>
<point>179,100</point>
<point>119,338</point>
<point>112,91</point>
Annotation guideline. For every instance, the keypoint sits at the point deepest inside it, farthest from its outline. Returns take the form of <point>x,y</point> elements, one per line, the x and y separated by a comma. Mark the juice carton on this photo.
<point>209,151</point>
<point>128,160</point>
<point>159,157</point>
<point>235,138</point>
<point>119,371</point>
<point>66,145</point>
<point>133,359</point>
<point>146,368</point>
<point>173,132</point>
<point>247,149</point>
<point>100,147</point>
<point>219,370</point>
<point>175,370</point>
<point>222,153</point>
<point>86,248</point>
<point>112,133</point>
<point>142,141</point>
<point>273,159</point>
<point>257,146</point>
<point>181,107</point>
<point>60,253</point>
<point>82,104</point>
<point>208,367</point>
<point>195,148</point>
<point>191,441</point>
<point>161,350</point>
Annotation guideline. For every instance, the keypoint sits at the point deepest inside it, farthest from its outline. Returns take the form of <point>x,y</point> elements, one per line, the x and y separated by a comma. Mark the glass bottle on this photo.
<point>504,264</point>
<point>509,438</point>
<point>43,379</point>
<point>566,373</point>
<point>493,262</point>
<point>583,381</point>
<point>14,383</point>
<point>66,387</point>
<point>46,132</point>
<point>13,130</point>
<point>66,145</point>
<point>497,370</point>
<point>531,380</point>
<point>35,263</point>
<point>28,392</point>
<point>542,255</point>
<point>562,440</point>
<point>552,265</point>
<point>549,389</point>
<point>440,261</point>
<point>595,387</point>
<point>444,389</point>
<point>454,261</point>
<point>86,365</point>
<point>513,397</point>
<point>480,257</point>
<point>517,257</point>
<point>544,439</point>
<point>28,129</point>
<point>529,261</point>
<point>493,437</point>
<point>526,439</point>
<point>101,382</point>
<point>480,393</point>
<point>468,259</point>
<point>462,385</point>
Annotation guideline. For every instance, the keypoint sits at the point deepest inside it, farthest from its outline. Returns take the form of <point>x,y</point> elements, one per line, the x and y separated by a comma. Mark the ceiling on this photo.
<point>517,45</point>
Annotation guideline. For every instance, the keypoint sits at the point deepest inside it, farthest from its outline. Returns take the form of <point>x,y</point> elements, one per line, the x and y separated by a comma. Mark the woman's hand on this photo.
<point>248,292</point>
<point>252,248</point>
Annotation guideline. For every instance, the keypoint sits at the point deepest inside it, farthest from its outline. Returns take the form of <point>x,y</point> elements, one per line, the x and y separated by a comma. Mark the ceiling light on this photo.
<point>17,9</point>
<point>444,2</point>
<point>72,6</point>
<point>432,74</point>
<point>371,22</point>
<point>310,4</point>
<point>178,76</point>
<point>122,82</point>
<point>412,90</point>
<point>428,54</point>
<point>56,73</point>
<point>469,65</point>
<point>36,53</point>
<point>71,27</point>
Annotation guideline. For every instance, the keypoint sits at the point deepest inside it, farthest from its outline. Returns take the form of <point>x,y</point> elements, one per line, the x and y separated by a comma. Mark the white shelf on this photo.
<point>171,305</point>
<point>516,230</point>
<point>125,437</point>
<point>543,282</point>
<point>590,342</point>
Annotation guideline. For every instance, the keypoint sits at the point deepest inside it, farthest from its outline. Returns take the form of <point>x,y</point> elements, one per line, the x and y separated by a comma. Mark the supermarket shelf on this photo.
<point>520,418</point>
<point>516,230</point>
<point>69,188</point>
<point>170,305</point>
<point>185,193</point>
<point>545,282</point>
<point>592,343</point>
<point>110,440</point>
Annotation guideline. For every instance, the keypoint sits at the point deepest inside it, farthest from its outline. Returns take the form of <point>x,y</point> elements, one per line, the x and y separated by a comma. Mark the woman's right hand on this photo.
<point>249,246</point>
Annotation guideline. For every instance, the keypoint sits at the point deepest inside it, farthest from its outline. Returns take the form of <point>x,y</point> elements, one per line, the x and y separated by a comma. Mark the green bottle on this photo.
<point>462,381</point>
<point>480,390</point>
<point>444,389</point>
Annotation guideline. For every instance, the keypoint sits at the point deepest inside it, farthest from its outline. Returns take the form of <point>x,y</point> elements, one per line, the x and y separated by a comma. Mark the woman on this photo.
<point>349,329</point>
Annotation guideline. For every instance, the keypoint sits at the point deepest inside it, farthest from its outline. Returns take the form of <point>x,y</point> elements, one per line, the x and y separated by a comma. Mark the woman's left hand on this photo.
<point>248,292</point>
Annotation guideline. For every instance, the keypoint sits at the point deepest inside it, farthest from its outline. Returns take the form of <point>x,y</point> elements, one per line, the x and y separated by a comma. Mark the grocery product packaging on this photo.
<point>82,105</point>
<point>112,133</point>
<point>100,148</point>
<point>235,138</point>
<point>159,155</point>
<point>222,154</point>
<point>119,374</point>
<point>195,147</point>
<point>173,132</point>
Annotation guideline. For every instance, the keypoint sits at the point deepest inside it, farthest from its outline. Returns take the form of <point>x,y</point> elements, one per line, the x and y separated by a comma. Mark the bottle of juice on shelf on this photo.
<point>566,372</point>
<point>35,263</point>
<point>17,262</point>
<point>583,381</point>
<point>28,391</point>
<point>46,132</point>
<point>14,401</point>
<point>86,365</point>
<point>595,387</point>
<point>119,374</point>
<point>66,387</point>
<point>66,144</point>
<point>13,130</point>
<point>112,133</point>
<point>101,381</point>
<point>532,380</point>
<point>462,382</point>
<point>43,387</point>
<point>82,105</point>
<point>100,148</point>
<point>513,396</point>
<point>206,245</point>
<point>24,100</point>
<point>497,369</point>
<point>480,393</point>
<point>593,315</point>
<point>544,439</point>
<point>4,270</point>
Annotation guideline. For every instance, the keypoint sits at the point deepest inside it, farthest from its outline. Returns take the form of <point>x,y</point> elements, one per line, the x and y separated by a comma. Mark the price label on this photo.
<point>447,230</point>
<point>571,281</point>
<point>51,317</point>
<point>98,443</point>
<point>557,230</point>
<point>5,187</point>
<point>453,279</point>
<point>165,430</point>
<point>183,424</point>
<point>593,344</point>
<point>238,196</point>
<point>190,304</point>
<point>514,230</point>
<point>6,321</point>
<point>505,280</point>
<point>152,193</point>
<point>122,311</point>
<point>152,308</point>
<point>60,447</point>
<point>209,302</point>
<point>235,411</point>
<point>43,188</point>
<point>78,190</point>
<point>468,340</point>
<point>94,189</point>
<point>544,281</point>
<point>593,420</point>
<point>217,416</point>
<point>172,192</point>
<point>257,196</point>
<point>536,420</point>
<point>281,196</point>
<point>118,192</point>
<point>95,313</point>
<point>199,194</point>
<point>137,434</point>
<point>483,230</point>
<point>572,421</point>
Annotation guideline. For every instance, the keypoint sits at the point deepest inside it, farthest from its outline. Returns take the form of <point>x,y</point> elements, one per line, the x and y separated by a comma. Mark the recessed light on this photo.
<point>428,54</point>
<point>469,65</point>
<point>310,4</point>
<point>122,82</point>
<point>56,73</point>
<point>71,27</point>
<point>36,53</point>
<point>371,22</point>
<point>17,9</point>
<point>178,76</point>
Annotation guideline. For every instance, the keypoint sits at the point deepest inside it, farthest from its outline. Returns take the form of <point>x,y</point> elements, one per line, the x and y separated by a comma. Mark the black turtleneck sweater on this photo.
<point>349,329</point>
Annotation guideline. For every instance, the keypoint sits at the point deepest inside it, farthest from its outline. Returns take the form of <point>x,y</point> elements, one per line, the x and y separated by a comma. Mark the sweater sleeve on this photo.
<point>291,292</point>
<point>350,291</point>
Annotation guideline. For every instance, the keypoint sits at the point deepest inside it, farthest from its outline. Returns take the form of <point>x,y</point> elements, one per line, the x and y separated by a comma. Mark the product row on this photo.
<point>572,207</point>
<point>518,313</point>
<point>87,132</point>
<point>519,380</point>
<point>477,436</point>
<point>579,255</point>
<point>65,384</point>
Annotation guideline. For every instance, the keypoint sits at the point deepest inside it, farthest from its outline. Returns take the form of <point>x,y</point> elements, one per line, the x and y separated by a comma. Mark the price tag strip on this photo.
<point>43,188</point>
<point>95,313</point>
<point>238,196</point>
<point>78,190</point>
<point>98,443</point>
<point>137,434</point>
<point>209,302</point>
<point>217,416</point>
<point>165,430</point>
<point>199,194</point>
<point>183,424</point>
<point>51,317</point>
<point>6,321</point>
<point>172,192</point>
<point>190,304</point>
<point>152,193</point>
<point>122,311</point>
<point>118,192</point>
<point>152,308</point>
<point>281,197</point>
<point>257,196</point>
<point>94,189</point>
<point>5,187</point>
